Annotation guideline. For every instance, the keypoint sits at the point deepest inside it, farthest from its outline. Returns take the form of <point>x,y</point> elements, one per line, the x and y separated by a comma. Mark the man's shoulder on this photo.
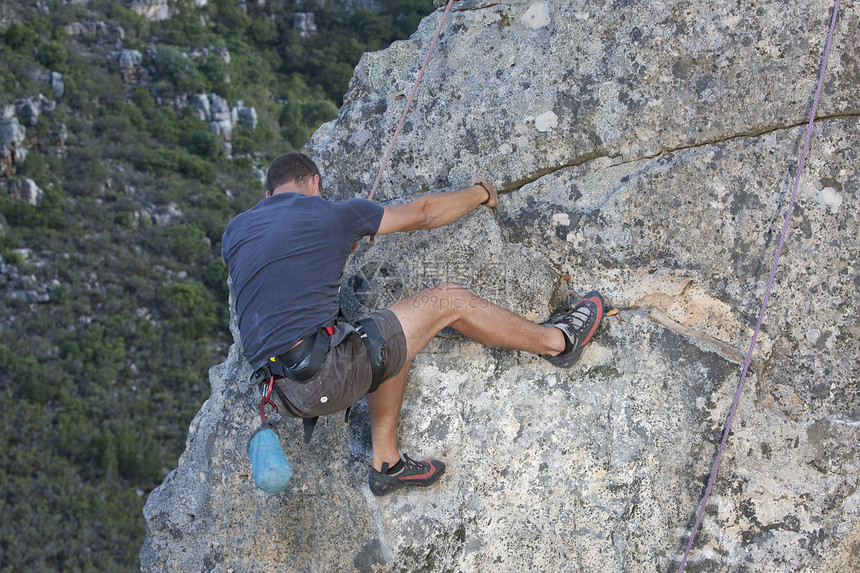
<point>358,205</point>
<point>262,209</point>
<point>238,222</point>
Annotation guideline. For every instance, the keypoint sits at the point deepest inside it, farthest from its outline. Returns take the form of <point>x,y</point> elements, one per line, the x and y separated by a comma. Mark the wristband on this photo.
<point>489,195</point>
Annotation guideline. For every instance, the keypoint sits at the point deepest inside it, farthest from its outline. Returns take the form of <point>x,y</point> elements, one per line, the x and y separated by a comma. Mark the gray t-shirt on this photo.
<point>286,257</point>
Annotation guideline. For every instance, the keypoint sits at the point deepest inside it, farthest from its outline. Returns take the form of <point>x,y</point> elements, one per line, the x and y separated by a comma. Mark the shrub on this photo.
<point>263,31</point>
<point>186,243</point>
<point>203,143</point>
<point>190,308</point>
<point>316,113</point>
<point>160,160</point>
<point>179,71</point>
<point>52,55</point>
<point>20,38</point>
<point>231,21</point>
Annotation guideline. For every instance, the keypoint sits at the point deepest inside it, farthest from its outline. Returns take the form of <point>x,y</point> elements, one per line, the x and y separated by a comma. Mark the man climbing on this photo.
<point>286,256</point>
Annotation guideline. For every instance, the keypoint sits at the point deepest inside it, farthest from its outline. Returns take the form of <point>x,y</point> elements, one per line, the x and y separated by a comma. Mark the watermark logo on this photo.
<point>377,284</point>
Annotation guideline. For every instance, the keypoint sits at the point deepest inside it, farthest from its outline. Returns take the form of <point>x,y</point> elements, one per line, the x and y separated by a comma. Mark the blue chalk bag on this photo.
<point>269,464</point>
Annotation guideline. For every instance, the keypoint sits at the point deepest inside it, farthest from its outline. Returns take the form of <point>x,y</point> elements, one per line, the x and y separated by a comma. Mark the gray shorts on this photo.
<point>345,376</point>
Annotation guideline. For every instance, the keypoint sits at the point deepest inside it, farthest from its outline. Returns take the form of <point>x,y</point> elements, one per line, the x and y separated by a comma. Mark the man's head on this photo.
<point>295,168</point>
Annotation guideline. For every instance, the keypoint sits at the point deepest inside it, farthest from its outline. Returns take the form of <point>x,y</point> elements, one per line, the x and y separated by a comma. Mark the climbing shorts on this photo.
<point>346,375</point>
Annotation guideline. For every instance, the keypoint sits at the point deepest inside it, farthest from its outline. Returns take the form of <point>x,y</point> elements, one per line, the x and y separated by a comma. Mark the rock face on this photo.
<point>643,149</point>
<point>214,110</point>
<point>129,63</point>
<point>153,10</point>
<point>247,116</point>
<point>89,29</point>
<point>304,23</point>
<point>221,118</point>
<point>57,83</point>
<point>25,189</point>
<point>12,135</point>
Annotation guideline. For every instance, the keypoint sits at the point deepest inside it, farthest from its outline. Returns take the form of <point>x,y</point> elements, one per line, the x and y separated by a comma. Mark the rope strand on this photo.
<point>766,296</point>
<point>409,101</point>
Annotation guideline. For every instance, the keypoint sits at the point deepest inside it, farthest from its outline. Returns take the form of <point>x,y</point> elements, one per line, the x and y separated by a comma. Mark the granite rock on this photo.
<point>304,23</point>
<point>25,189</point>
<point>129,63</point>
<point>12,136</point>
<point>644,149</point>
<point>153,10</point>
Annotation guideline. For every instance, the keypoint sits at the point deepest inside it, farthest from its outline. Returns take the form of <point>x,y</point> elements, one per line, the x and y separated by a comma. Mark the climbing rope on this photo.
<point>411,97</point>
<point>766,294</point>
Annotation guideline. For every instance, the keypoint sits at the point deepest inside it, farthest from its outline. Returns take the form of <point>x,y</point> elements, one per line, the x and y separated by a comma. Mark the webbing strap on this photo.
<point>309,424</point>
<point>374,344</point>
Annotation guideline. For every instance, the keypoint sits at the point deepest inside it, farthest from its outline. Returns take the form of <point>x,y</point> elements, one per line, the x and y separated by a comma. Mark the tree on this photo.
<point>52,55</point>
<point>20,38</point>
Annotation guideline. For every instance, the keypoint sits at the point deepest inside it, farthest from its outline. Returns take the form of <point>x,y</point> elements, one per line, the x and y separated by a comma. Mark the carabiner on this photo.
<point>267,399</point>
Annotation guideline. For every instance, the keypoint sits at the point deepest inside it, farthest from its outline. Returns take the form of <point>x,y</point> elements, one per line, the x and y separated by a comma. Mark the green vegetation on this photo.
<point>113,302</point>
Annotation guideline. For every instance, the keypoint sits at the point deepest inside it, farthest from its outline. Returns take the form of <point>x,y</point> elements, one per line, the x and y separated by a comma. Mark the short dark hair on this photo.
<point>292,166</point>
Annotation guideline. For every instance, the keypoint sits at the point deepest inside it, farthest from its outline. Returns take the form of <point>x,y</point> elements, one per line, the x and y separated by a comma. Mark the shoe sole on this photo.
<point>389,487</point>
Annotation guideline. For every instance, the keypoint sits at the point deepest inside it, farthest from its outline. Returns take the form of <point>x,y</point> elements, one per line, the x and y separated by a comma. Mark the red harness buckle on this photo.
<point>330,330</point>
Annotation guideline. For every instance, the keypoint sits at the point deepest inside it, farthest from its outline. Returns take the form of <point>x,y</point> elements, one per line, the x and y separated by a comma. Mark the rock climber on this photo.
<point>286,256</point>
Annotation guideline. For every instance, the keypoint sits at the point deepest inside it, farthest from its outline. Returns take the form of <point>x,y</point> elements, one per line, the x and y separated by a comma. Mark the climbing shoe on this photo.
<point>406,472</point>
<point>578,326</point>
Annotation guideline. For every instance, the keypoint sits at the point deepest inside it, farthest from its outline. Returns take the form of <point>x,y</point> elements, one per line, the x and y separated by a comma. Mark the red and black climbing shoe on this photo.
<point>406,472</point>
<point>578,326</point>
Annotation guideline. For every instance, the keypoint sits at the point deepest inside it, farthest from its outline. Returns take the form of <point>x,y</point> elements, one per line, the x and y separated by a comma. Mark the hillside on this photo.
<point>130,133</point>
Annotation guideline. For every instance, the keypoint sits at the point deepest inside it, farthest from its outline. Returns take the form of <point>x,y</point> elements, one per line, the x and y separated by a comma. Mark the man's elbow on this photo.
<point>426,214</point>
<point>426,218</point>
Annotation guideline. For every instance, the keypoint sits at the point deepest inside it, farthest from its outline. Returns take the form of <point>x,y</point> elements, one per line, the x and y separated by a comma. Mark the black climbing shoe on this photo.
<point>578,326</point>
<point>411,472</point>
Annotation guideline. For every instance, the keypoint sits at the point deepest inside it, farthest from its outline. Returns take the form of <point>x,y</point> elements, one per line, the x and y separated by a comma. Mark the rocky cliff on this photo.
<point>646,149</point>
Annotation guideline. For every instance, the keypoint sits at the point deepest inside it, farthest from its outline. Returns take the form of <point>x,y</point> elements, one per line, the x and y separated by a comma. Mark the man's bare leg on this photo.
<point>422,316</point>
<point>384,407</point>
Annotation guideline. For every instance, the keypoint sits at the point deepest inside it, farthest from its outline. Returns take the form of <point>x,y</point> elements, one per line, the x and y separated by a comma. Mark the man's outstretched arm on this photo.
<point>437,209</point>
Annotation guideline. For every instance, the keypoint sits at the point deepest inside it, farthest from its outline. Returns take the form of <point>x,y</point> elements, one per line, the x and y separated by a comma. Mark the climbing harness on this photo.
<point>304,360</point>
<point>299,364</point>
<point>770,282</point>
<point>411,97</point>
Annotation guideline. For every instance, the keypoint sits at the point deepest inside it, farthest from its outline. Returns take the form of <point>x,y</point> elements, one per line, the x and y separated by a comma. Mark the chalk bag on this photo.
<point>269,464</point>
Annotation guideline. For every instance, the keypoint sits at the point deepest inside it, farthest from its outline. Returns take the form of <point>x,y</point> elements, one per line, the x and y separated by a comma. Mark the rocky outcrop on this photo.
<point>25,189</point>
<point>643,149</point>
<point>214,110</point>
<point>247,116</point>
<point>29,110</point>
<point>304,23</point>
<point>153,10</point>
<point>57,83</point>
<point>22,290</point>
<point>12,135</point>
<point>129,64</point>
<point>221,118</point>
<point>95,29</point>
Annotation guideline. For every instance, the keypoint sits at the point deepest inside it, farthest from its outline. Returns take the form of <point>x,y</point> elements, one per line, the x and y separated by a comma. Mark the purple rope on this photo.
<point>766,295</point>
